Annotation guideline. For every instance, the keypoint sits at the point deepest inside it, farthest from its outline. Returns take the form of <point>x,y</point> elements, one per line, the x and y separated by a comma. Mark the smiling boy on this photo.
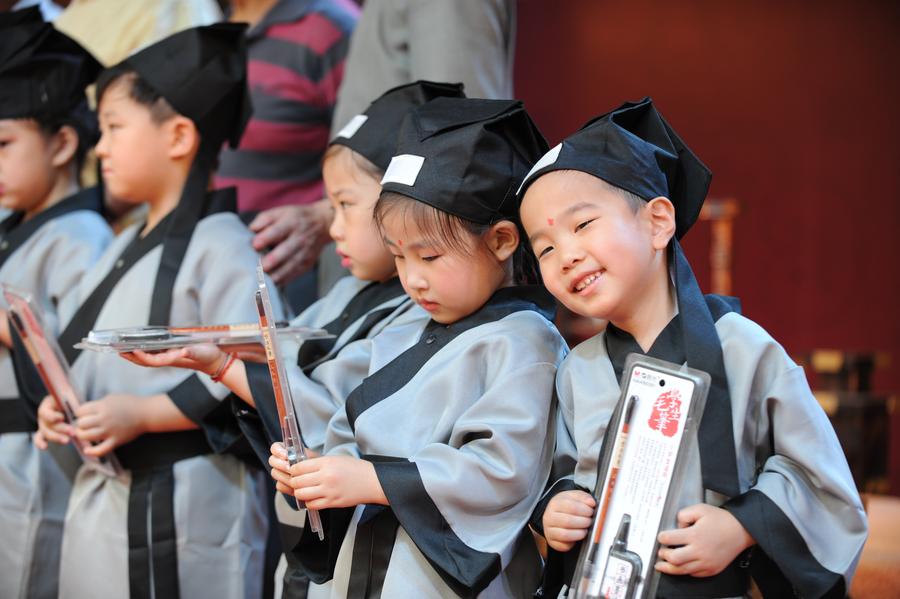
<point>767,491</point>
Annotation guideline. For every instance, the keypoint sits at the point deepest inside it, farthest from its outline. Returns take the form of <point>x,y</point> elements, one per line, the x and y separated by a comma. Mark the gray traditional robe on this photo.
<point>322,373</point>
<point>459,428</point>
<point>795,493</point>
<point>45,256</point>
<point>192,507</point>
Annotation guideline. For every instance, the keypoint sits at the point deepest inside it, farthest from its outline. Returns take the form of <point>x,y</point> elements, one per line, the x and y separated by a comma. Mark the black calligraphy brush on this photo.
<point>590,564</point>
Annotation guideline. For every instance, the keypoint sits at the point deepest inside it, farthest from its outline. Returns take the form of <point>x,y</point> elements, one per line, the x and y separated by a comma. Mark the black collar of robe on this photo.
<point>314,352</point>
<point>14,232</point>
<point>397,373</point>
<point>691,337</point>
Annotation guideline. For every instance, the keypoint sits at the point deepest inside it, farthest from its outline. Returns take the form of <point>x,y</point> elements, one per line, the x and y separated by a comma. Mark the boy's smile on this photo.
<point>595,251</point>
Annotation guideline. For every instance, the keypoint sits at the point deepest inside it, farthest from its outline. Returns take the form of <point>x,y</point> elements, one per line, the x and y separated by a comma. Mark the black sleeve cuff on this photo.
<point>465,570</point>
<point>787,563</point>
<point>29,383</point>
<point>537,516</point>
<point>318,558</point>
<point>260,383</point>
<point>212,415</point>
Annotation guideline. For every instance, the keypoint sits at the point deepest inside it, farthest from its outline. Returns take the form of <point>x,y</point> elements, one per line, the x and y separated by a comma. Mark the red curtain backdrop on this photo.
<point>794,106</point>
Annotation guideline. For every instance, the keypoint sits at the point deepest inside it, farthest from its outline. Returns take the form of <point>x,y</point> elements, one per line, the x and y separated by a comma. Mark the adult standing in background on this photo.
<point>297,50</point>
<point>400,41</point>
<point>113,30</point>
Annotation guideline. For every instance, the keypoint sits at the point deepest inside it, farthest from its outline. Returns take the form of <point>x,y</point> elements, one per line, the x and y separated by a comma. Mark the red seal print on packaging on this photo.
<point>666,413</point>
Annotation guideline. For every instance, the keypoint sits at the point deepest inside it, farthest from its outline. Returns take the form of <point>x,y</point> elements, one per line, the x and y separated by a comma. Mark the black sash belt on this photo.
<point>152,541</point>
<point>84,318</point>
<point>372,548</point>
<point>152,551</point>
<point>13,418</point>
<point>315,351</point>
<point>160,450</point>
<point>15,230</point>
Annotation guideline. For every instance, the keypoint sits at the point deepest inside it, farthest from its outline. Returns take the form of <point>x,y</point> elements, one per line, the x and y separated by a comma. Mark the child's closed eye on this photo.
<point>544,251</point>
<point>430,258</point>
<point>582,225</point>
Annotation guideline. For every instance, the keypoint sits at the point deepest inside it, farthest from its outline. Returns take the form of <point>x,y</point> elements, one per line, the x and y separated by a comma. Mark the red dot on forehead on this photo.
<point>550,221</point>
<point>399,242</point>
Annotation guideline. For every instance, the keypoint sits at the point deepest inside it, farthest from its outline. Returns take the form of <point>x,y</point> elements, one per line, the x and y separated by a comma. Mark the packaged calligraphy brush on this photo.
<point>51,366</point>
<point>284,402</point>
<point>640,476</point>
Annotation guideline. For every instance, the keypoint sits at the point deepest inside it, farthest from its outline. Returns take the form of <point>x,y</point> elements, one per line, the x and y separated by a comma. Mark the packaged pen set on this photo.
<point>157,338</point>
<point>640,474</point>
<point>51,366</point>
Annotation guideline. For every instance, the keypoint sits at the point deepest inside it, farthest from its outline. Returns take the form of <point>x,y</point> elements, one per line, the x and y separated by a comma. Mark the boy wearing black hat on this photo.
<point>185,519</point>
<point>769,493</point>
<point>52,234</point>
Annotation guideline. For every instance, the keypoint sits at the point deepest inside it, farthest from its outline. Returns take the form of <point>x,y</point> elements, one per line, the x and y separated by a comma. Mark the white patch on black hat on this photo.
<point>546,160</point>
<point>403,169</point>
<point>353,126</point>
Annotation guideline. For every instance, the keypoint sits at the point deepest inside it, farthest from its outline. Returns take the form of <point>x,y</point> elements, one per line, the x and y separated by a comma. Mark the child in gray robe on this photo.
<point>50,235</point>
<point>186,517</point>
<point>433,466</point>
<point>323,372</point>
<point>767,491</point>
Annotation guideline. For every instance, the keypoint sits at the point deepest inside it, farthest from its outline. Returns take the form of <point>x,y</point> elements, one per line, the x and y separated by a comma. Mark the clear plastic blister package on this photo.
<point>158,338</point>
<point>292,439</point>
<point>640,473</point>
<point>51,365</point>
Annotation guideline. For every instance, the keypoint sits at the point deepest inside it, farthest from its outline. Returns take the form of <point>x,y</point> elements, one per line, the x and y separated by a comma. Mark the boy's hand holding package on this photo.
<point>110,422</point>
<point>52,425</point>
<point>567,519</point>
<point>707,539</point>
<point>327,481</point>
<point>204,357</point>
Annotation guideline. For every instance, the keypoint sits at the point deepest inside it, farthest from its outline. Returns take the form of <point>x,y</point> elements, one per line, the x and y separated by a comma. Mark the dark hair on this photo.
<point>635,201</point>
<point>138,90</point>
<point>448,230</point>
<point>361,162</point>
<point>82,120</point>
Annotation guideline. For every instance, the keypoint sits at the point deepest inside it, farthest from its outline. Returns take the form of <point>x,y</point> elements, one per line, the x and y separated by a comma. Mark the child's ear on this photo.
<point>503,239</point>
<point>662,221</point>
<point>63,146</point>
<point>182,136</point>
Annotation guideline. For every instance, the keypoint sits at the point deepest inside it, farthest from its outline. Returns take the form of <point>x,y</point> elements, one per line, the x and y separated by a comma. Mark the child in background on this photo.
<point>358,307</point>
<point>52,234</point>
<point>769,492</point>
<point>185,518</point>
<point>434,465</point>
